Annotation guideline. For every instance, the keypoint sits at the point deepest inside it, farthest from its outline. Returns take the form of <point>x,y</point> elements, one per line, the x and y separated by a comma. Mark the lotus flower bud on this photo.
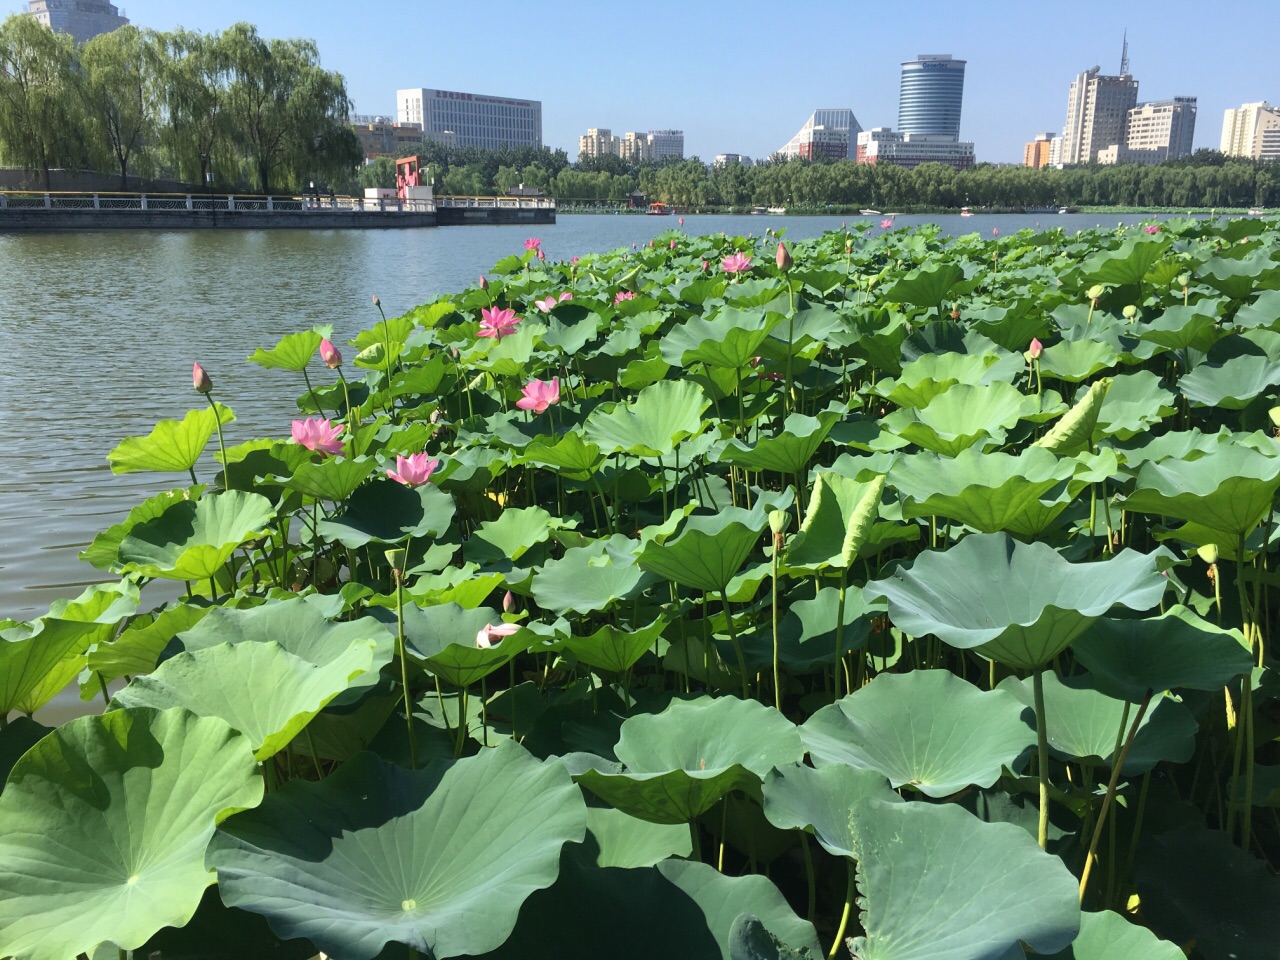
<point>1095,293</point>
<point>1036,348</point>
<point>376,301</point>
<point>779,520</point>
<point>330,354</point>
<point>541,255</point>
<point>1208,553</point>
<point>783,257</point>
<point>1184,280</point>
<point>200,380</point>
<point>484,282</point>
<point>508,603</point>
<point>1130,312</point>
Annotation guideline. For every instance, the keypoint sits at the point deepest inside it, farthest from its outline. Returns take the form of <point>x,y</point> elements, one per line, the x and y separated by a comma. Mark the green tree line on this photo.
<point>232,109</point>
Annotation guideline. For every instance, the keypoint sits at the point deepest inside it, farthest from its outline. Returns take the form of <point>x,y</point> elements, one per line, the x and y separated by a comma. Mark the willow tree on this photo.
<point>194,75</point>
<point>39,116</point>
<point>117,82</point>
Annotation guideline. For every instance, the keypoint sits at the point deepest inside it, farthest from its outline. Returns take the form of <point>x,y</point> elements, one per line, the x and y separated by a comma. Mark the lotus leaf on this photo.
<point>1180,327</point>
<point>1083,724</point>
<point>823,800</point>
<point>333,479</point>
<point>836,524</point>
<point>106,823</point>
<point>791,450</point>
<point>662,415</point>
<point>681,762</point>
<point>807,631</point>
<point>1176,650</point>
<point>444,638</point>
<point>173,445</point>
<point>965,415</point>
<point>614,649</point>
<point>927,729</point>
<point>217,932</point>
<point>621,840</point>
<point>1134,403</point>
<point>385,511</point>
<point>293,352</point>
<point>1076,360</point>
<point>510,536</point>
<point>30,654</point>
<point>590,578</point>
<point>708,551</point>
<point>17,737</point>
<point>933,373</point>
<point>729,338</point>
<point>438,859</point>
<point>104,549</point>
<point>570,455</point>
<point>1019,604</point>
<point>1126,265</point>
<point>937,883</point>
<point>1109,936</point>
<point>926,287</point>
<point>192,540</point>
<point>1074,432</point>
<point>1238,279</point>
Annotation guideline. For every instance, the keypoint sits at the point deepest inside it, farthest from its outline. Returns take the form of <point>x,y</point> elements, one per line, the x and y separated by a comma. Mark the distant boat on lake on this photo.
<point>870,213</point>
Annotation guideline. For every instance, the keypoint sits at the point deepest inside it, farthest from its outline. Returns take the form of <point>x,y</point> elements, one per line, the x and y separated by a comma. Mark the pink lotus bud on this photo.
<point>995,231</point>
<point>508,603</point>
<point>673,243</point>
<point>376,301</point>
<point>330,354</point>
<point>1036,348</point>
<point>706,265</point>
<point>682,221</point>
<point>541,255</point>
<point>200,380</point>
<point>484,282</point>
<point>783,257</point>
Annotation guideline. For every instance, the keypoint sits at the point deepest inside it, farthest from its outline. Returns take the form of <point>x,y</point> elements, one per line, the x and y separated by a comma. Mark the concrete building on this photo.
<point>472,119</point>
<point>883,145</point>
<point>930,95</point>
<point>1252,130</point>
<point>83,19</point>
<point>1098,108</point>
<point>1037,153</point>
<point>382,137</point>
<point>640,147</point>
<point>829,134</point>
<point>731,159</point>
<point>667,144</point>
<point>597,142</point>
<point>632,146</point>
<point>1161,130</point>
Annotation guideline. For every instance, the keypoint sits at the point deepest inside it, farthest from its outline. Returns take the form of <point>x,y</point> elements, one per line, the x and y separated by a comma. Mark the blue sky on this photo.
<point>742,77</point>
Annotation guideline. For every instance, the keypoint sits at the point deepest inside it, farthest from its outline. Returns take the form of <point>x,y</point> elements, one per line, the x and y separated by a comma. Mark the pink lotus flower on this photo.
<point>330,354</point>
<point>1036,348</point>
<point>318,435</point>
<point>574,259</point>
<point>376,301</point>
<point>494,633</point>
<point>706,265</point>
<point>532,243</point>
<point>782,257</point>
<point>540,394</point>
<point>200,380</point>
<point>484,282</point>
<point>547,305</point>
<point>681,221</point>
<point>1151,228</point>
<point>508,602</point>
<point>886,223</point>
<point>623,295</point>
<point>541,255</point>
<point>414,470</point>
<point>650,244</point>
<point>995,231</point>
<point>498,322</point>
<point>673,243</point>
<point>737,263</point>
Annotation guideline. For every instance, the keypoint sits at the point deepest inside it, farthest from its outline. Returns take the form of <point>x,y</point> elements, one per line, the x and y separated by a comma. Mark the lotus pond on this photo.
<point>874,595</point>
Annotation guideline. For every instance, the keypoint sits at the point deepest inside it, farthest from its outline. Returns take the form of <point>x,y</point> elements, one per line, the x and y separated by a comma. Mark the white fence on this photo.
<point>230,203</point>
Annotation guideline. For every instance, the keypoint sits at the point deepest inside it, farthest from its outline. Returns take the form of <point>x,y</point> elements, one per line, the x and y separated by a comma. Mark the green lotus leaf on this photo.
<point>1230,490</point>
<point>217,932</point>
<point>106,823</point>
<point>802,332</point>
<point>571,337</point>
<point>228,681</point>
<point>1175,445</point>
<point>676,910</point>
<point>1238,279</point>
<point>1074,432</point>
<point>1262,312</point>
<point>807,631</point>
<point>933,373</point>
<point>1231,384</point>
<point>1017,603</point>
<point>172,446</point>
<point>293,352</point>
<point>138,648</point>
<point>1109,936</point>
<point>614,649</point>
<point>510,536</point>
<point>1179,327</point>
<point>1124,266</point>
<point>570,455</point>
<point>511,356</point>
<point>1083,724</point>
<point>1197,885</point>
<point>681,762</point>
<point>936,882</point>
<point>192,540</point>
<point>444,638</point>
<point>1174,651</point>
<point>31,653</point>
<point>1134,403</point>
<point>927,729</point>
<point>823,800</point>
<point>661,416</point>
<point>927,286</point>
<point>438,859</point>
<point>590,578</point>
<point>102,552</point>
<point>332,479</point>
<point>790,451</point>
<point>729,338</point>
<point>964,415</point>
<point>300,629</point>
<point>990,492</point>
<point>1076,360</point>
<point>708,551</point>
<point>750,939</point>
<point>620,840</point>
<point>836,524</point>
<point>385,511</point>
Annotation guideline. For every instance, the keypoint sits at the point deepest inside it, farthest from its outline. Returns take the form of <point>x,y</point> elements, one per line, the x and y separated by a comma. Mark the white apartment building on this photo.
<point>472,119</point>
<point>1155,132</point>
<point>634,147</point>
<point>1097,111</point>
<point>1252,130</point>
<point>667,144</point>
<point>908,150</point>
<point>83,19</point>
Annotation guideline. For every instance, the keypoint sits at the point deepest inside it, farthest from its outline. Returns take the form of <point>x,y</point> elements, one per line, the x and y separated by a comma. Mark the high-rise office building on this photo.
<point>1252,130</point>
<point>1098,108</point>
<point>83,19</point>
<point>829,134</point>
<point>1161,130</point>
<point>883,145</point>
<point>472,119</point>
<point>930,96</point>
<point>667,144</point>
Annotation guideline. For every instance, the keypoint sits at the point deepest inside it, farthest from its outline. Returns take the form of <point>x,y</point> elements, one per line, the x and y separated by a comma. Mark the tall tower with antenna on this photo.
<point>1124,56</point>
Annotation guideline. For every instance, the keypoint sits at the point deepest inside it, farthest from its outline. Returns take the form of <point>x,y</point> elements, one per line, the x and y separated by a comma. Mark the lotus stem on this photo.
<point>386,346</point>
<point>1244,727</point>
<point>773,606</point>
<point>311,391</point>
<point>811,881</point>
<point>1042,757</point>
<point>844,916</point>
<point>404,662</point>
<point>1117,764</point>
<point>217,420</point>
<point>844,579</point>
<point>737,647</point>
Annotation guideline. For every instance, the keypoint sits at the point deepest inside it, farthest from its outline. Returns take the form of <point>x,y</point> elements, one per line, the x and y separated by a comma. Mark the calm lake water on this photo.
<point>100,331</point>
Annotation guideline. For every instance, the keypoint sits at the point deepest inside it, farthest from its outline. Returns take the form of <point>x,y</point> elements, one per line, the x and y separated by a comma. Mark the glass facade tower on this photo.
<point>930,96</point>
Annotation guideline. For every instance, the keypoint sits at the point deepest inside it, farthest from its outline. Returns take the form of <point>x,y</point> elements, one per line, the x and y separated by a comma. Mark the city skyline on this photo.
<point>710,75</point>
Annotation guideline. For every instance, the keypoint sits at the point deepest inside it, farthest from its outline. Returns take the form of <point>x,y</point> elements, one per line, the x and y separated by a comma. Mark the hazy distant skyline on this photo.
<point>743,77</point>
